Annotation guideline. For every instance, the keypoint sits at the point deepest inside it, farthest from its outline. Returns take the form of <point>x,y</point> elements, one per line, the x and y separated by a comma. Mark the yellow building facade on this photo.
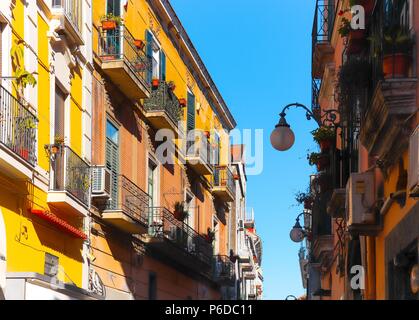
<point>45,138</point>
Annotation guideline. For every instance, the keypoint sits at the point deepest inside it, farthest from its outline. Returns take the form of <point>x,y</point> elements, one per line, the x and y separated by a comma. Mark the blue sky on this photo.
<point>259,56</point>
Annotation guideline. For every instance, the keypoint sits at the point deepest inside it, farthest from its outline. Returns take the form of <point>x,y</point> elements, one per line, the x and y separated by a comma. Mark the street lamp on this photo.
<point>283,138</point>
<point>297,233</point>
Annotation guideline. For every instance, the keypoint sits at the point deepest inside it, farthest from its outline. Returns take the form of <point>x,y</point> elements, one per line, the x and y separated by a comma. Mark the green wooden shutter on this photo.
<point>162,66</point>
<point>112,164</point>
<point>149,53</point>
<point>191,112</point>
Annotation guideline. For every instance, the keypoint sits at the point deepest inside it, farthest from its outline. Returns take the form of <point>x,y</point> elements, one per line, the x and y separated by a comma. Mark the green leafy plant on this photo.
<point>180,213</point>
<point>397,40</point>
<point>58,140</point>
<point>23,77</point>
<point>345,27</point>
<point>112,17</point>
<point>323,133</point>
<point>302,197</point>
<point>313,158</point>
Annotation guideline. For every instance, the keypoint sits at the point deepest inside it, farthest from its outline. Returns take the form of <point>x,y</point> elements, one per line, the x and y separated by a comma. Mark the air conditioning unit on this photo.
<point>241,225</point>
<point>101,182</point>
<point>360,200</point>
<point>413,174</point>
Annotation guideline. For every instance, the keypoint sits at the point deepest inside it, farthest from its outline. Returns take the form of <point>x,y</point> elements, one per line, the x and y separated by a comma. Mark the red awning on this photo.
<point>59,223</point>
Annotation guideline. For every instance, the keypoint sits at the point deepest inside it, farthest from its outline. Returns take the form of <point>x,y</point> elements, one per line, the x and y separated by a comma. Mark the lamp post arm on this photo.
<point>329,116</point>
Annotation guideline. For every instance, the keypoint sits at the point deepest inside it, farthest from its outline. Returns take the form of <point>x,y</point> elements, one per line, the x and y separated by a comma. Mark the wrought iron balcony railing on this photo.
<point>70,173</point>
<point>223,177</point>
<point>223,269</point>
<point>17,127</point>
<point>131,200</point>
<point>324,19</point>
<point>200,148</point>
<point>72,10</point>
<point>119,45</point>
<point>163,224</point>
<point>163,99</point>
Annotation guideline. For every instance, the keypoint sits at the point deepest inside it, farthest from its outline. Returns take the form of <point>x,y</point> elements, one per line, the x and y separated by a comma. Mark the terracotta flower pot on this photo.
<point>356,41</point>
<point>236,177</point>
<point>396,65</point>
<point>182,102</point>
<point>24,154</point>
<point>155,83</point>
<point>325,145</point>
<point>308,204</point>
<point>322,163</point>
<point>55,149</point>
<point>139,44</point>
<point>108,25</point>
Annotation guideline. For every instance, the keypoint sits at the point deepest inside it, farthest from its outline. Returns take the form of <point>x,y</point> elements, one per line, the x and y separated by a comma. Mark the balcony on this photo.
<point>223,271</point>
<point>384,131</point>
<point>129,212</point>
<point>199,155</point>
<point>69,15</point>
<point>322,49</point>
<point>178,242</point>
<point>70,181</point>
<point>17,137</point>
<point>336,205</point>
<point>224,186</point>
<point>163,109</point>
<point>323,249</point>
<point>124,63</point>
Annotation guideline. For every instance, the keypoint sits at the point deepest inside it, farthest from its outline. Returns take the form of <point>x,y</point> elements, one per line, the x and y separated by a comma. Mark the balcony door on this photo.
<point>59,134</point>
<point>112,161</point>
<point>216,230</point>
<point>114,40</point>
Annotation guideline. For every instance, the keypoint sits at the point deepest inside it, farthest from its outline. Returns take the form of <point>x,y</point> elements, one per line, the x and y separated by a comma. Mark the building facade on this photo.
<point>363,222</point>
<point>116,174</point>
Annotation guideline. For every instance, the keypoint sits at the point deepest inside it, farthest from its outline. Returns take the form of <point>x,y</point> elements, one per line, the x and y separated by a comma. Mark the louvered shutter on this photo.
<point>112,164</point>
<point>149,53</point>
<point>162,66</point>
<point>191,112</point>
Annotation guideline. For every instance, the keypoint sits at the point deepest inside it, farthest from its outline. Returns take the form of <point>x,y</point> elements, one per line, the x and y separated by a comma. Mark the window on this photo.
<point>157,58</point>
<point>112,160</point>
<point>59,130</point>
<point>191,112</point>
<point>152,175</point>
<point>114,7</point>
<point>152,286</point>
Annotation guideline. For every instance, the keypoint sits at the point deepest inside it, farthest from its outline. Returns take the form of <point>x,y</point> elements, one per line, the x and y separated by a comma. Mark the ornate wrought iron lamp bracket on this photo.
<point>328,117</point>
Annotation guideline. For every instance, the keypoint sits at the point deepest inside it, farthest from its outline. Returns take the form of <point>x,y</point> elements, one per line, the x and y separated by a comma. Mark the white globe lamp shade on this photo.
<point>297,233</point>
<point>282,138</point>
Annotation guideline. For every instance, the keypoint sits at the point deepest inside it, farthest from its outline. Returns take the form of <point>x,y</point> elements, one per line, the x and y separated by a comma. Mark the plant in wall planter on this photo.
<point>58,144</point>
<point>356,38</point>
<point>321,161</point>
<point>182,102</point>
<point>325,137</point>
<point>171,85</point>
<point>139,44</point>
<point>210,236</point>
<point>180,213</point>
<point>110,22</point>
<point>397,46</point>
<point>306,199</point>
<point>155,83</point>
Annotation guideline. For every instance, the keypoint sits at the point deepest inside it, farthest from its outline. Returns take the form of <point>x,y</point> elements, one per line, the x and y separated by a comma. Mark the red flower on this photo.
<point>341,13</point>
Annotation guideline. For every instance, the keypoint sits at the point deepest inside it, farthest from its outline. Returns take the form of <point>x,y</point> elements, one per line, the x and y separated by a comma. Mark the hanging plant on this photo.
<point>305,198</point>
<point>210,236</point>
<point>180,213</point>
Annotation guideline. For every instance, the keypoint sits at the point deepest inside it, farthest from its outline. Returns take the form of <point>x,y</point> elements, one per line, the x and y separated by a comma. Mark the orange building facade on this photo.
<point>161,159</point>
<point>363,222</point>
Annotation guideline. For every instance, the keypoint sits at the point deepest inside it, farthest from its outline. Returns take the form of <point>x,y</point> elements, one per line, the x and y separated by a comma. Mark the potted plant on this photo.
<point>180,213</point>
<point>321,161</point>
<point>356,38</point>
<point>155,82</point>
<point>306,199</point>
<point>210,236</point>
<point>325,137</point>
<point>58,143</point>
<point>397,45</point>
<point>110,21</point>
<point>236,176</point>
<point>182,102</point>
<point>171,85</point>
<point>27,126</point>
<point>139,44</point>
<point>207,134</point>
